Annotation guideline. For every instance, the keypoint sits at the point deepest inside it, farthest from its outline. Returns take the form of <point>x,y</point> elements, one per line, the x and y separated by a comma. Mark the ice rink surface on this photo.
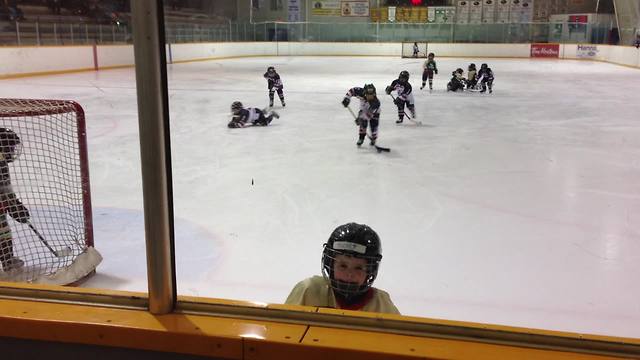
<point>519,208</point>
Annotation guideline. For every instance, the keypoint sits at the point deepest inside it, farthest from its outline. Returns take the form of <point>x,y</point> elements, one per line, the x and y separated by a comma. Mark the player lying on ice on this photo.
<point>249,117</point>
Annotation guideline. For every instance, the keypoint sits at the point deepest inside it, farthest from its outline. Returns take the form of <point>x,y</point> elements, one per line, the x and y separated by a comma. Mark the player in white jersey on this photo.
<point>250,116</point>
<point>350,262</point>
<point>369,113</point>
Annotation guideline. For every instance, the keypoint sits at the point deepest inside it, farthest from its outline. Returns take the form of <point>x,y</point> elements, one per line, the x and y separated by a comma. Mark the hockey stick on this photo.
<point>407,115</point>
<point>379,148</point>
<point>60,253</point>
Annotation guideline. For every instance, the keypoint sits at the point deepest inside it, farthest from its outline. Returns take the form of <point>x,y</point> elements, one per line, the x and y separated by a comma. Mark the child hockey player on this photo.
<point>9,202</point>
<point>249,117</point>
<point>430,68</point>
<point>416,50</point>
<point>369,111</point>
<point>472,80</point>
<point>403,95</point>
<point>457,81</point>
<point>485,77</point>
<point>274,83</point>
<point>350,262</point>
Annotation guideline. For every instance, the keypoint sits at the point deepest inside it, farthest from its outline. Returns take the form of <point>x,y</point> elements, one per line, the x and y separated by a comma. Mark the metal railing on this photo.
<point>38,33</point>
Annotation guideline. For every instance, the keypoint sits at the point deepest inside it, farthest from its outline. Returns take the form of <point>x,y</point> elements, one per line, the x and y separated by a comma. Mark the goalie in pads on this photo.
<point>369,111</point>
<point>9,202</point>
<point>249,117</point>
<point>350,262</point>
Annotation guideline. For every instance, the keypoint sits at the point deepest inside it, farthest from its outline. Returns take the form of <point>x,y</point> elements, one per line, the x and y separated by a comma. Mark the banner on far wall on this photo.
<point>355,8</point>
<point>587,51</point>
<point>502,11</point>
<point>545,50</point>
<point>294,10</point>
<point>325,8</point>
<point>475,12</point>
<point>488,12</point>
<point>462,12</point>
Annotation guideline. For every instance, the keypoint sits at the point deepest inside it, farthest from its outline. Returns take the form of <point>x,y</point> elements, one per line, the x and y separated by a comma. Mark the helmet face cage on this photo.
<point>369,91</point>
<point>483,66</point>
<point>353,240</point>
<point>348,289</point>
<point>271,69</point>
<point>236,106</point>
<point>404,76</point>
<point>10,145</point>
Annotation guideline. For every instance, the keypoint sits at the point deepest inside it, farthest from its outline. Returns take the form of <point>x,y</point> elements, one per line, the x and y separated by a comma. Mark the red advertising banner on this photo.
<point>580,19</point>
<point>545,50</point>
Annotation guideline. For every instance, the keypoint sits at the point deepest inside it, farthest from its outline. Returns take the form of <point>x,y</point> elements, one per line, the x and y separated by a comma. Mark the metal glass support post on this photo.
<point>18,32</point>
<point>155,151</point>
<point>71,32</point>
<point>38,32</point>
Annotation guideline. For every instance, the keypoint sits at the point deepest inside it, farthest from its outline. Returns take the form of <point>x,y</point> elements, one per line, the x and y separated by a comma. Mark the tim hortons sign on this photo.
<point>545,50</point>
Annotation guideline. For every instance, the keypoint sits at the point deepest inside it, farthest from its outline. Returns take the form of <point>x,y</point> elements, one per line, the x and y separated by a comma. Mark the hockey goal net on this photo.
<point>46,233</point>
<point>408,49</point>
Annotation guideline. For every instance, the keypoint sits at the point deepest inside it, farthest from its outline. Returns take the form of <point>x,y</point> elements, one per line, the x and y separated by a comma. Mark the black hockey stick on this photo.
<point>405,114</point>
<point>379,148</point>
<point>59,253</point>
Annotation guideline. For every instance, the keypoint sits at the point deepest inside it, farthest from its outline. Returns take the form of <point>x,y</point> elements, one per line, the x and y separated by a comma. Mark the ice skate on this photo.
<point>372,142</point>
<point>399,121</point>
<point>360,141</point>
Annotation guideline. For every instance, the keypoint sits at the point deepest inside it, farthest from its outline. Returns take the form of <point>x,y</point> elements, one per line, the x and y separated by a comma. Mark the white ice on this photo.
<point>519,208</point>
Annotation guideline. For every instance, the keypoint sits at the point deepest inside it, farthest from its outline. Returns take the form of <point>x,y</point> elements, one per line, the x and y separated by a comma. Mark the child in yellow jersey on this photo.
<point>350,262</point>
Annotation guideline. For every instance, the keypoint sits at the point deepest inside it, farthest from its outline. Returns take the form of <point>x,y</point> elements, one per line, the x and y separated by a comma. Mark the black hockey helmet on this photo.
<point>484,66</point>
<point>431,55</point>
<point>459,71</point>
<point>271,69</point>
<point>472,66</point>
<point>369,91</point>
<point>355,240</point>
<point>404,75</point>
<point>236,106</point>
<point>10,145</point>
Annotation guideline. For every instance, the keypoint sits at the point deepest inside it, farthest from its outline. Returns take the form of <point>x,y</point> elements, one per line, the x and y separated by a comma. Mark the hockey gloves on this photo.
<point>346,101</point>
<point>388,90</point>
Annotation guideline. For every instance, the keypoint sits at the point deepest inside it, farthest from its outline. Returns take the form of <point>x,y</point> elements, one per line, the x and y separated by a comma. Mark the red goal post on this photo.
<point>49,174</point>
<point>407,49</point>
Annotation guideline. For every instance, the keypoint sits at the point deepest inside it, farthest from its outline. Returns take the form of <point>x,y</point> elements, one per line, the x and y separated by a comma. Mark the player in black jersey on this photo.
<point>9,203</point>
<point>457,81</point>
<point>274,84</point>
<point>485,78</point>
<point>404,96</point>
